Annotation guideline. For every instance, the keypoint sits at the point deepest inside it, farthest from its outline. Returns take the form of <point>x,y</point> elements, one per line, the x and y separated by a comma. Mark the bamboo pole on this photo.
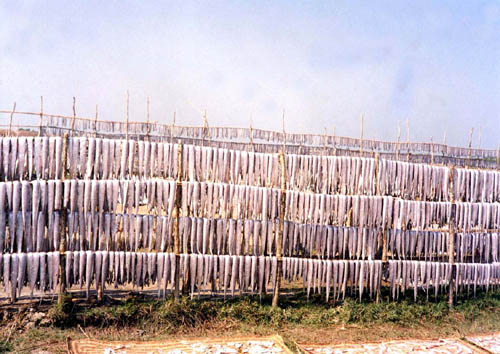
<point>41,116</point>
<point>62,225</point>
<point>324,150</point>
<point>334,141</point>
<point>205,127</point>
<point>451,240</point>
<point>74,118</point>
<point>172,131</point>
<point>177,208</point>
<point>147,120</point>
<point>361,138</point>
<point>126,118</point>
<point>470,147</point>
<point>408,138</point>
<point>11,117</point>
<point>498,157</point>
<point>397,144</point>
<point>95,121</point>
<point>250,135</point>
<point>279,238</point>
<point>432,152</point>
<point>279,242</point>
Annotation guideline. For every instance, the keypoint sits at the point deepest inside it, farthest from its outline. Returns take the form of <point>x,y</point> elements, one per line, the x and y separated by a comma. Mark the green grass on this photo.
<point>254,311</point>
<point>297,319</point>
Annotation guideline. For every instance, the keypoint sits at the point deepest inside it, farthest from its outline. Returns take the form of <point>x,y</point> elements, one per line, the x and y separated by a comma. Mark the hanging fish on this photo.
<point>89,270</point>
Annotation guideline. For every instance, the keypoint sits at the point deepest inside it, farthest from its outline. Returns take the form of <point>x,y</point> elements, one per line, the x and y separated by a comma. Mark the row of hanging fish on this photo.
<point>143,129</point>
<point>216,200</point>
<point>477,247</point>
<point>84,269</point>
<point>414,275</point>
<point>335,277</point>
<point>411,275</point>
<point>421,245</point>
<point>131,232</point>
<point>413,181</point>
<point>326,241</point>
<point>470,275</point>
<point>35,270</point>
<point>29,157</point>
<point>323,174</point>
<point>331,150</point>
<point>107,231</point>
<point>476,185</point>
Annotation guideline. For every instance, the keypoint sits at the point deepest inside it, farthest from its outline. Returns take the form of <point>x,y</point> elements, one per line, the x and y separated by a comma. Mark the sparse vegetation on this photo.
<point>297,319</point>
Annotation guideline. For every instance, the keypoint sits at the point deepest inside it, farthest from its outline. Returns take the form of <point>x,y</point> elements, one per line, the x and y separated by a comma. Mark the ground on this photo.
<point>43,326</point>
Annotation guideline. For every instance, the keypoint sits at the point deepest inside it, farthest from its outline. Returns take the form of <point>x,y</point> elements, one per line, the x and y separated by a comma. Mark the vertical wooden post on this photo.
<point>172,130</point>
<point>399,137</point>
<point>41,116</point>
<point>498,157</point>
<point>408,138</point>
<point>470,147</point>
<point>205,126</point>
<point>74,118</point>
<point>279,241</point>
<point>11,117</point>
<point>451,240</point>
<point>325,143</point>
<point>361,138</point>
<point>95,120</point>
<point>251,136</point>
<point>126,118</point>
<point>479,142</point>
<point>177,208</point>
<point>432,151</point>
<point>62,225</point>
<point>334,141</point>
<point>382,236</point>
<point>147,120</point>
<point>279,238</point>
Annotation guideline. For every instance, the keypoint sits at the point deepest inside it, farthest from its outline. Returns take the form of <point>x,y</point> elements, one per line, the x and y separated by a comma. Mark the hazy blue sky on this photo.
<point>436,63</point>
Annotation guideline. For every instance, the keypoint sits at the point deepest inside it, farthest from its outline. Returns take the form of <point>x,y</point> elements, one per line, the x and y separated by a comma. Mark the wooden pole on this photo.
<point>451,241</point>
<point>41,116</point>
<point>126,118</point>
<point>284,132</point>
<point>408,140</point>
<point>147,120</point>
<point>62,225</point>
<point>11,117</point>
<point>177,208</point>
<point>334,141</point>
<point>381,237</point>
<point>432,152</point>
<point>325,144</point>
<point>470,146</point>
<point>399,137</point>
<point>251,134</point>
<point>480,133</point>
<point>498,157</point>
<point>279,238</point>
<point>279,241</point>
<point>95,121</point>
<point>445,149</point>
<point>74,118</point>
<point>361,138</point>
<point>172,130</point>
<point>205,126</point>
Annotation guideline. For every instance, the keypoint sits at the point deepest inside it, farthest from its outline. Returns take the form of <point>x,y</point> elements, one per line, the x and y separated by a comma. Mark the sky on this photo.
<point>432,66</point>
